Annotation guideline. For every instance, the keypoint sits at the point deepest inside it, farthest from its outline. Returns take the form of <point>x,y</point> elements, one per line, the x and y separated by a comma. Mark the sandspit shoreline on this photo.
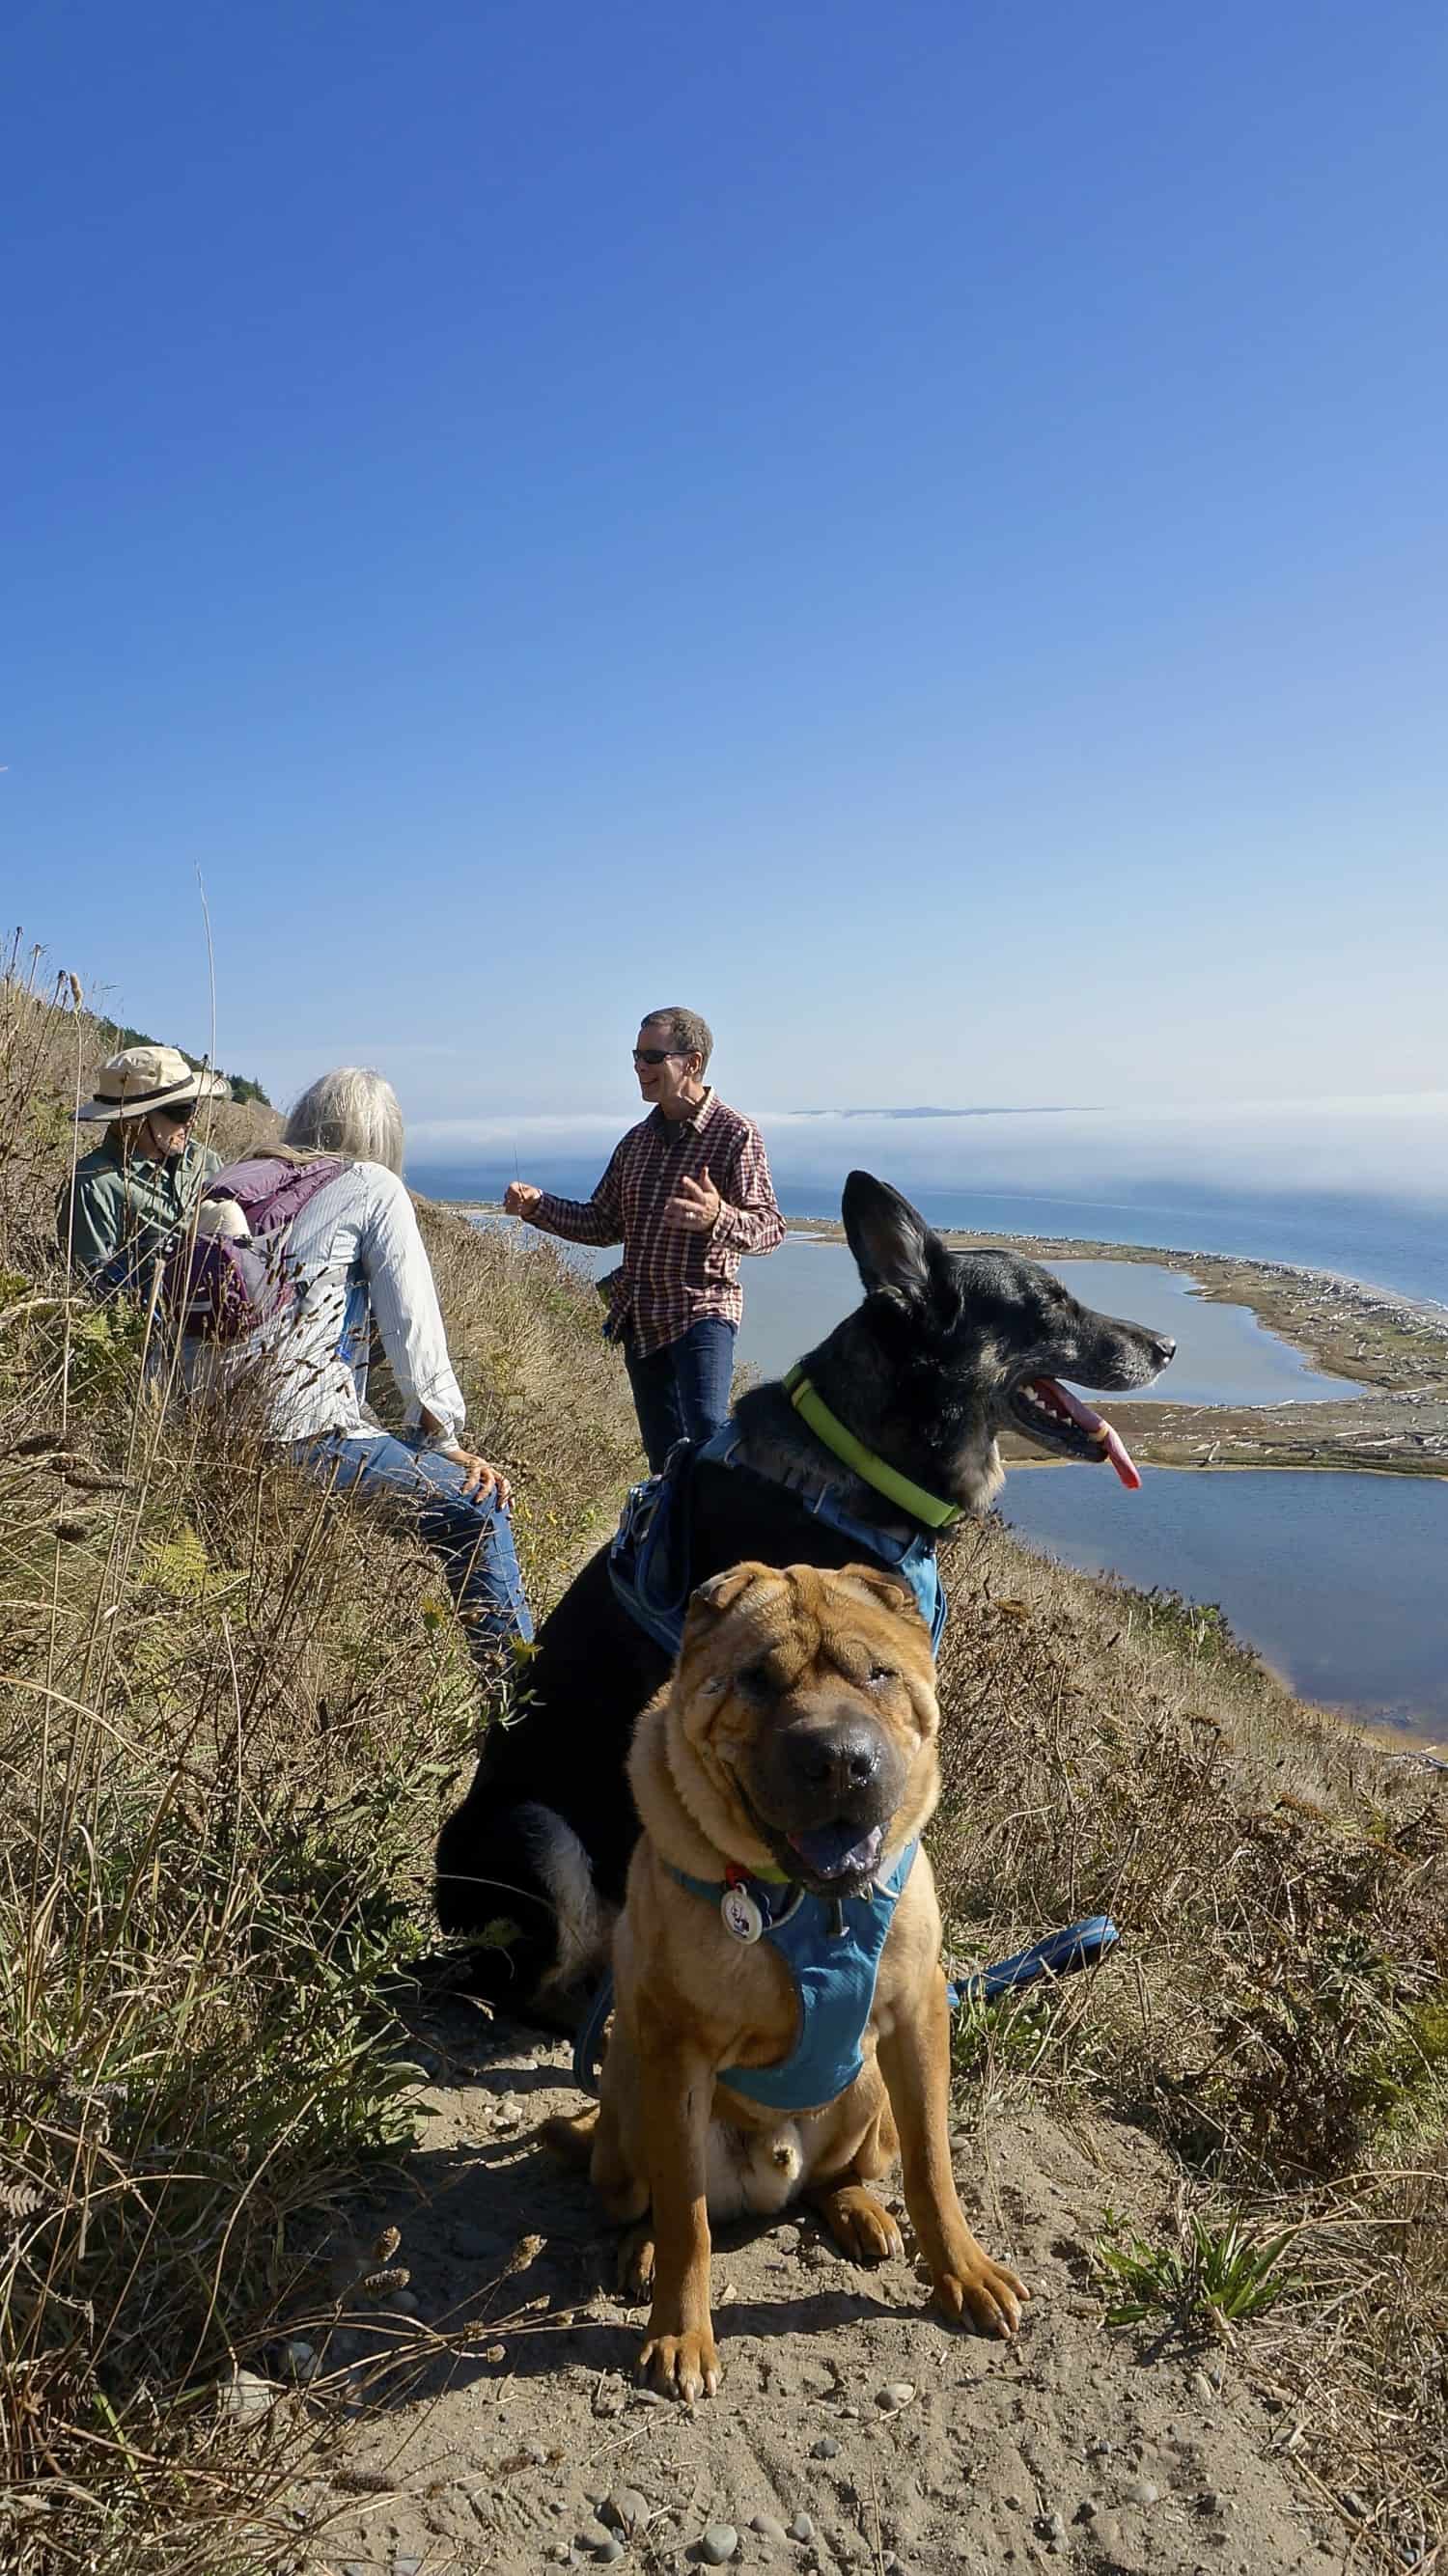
<point>1394,1347</point>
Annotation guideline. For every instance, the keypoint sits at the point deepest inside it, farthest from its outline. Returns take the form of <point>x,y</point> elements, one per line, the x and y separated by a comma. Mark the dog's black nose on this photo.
<point>1164,1349</point>
<point>844,1760</point>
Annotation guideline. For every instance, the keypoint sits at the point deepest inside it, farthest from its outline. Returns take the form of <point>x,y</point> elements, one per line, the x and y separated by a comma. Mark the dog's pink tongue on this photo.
<point>832,1850</point>
<point>1112,1444</point>
<point>1121,1458</point>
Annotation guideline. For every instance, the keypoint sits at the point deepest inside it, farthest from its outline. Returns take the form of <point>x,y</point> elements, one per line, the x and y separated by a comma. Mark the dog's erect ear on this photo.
<point>893,1246</point>
<point>722,1590</point>
<point>891,1591</point>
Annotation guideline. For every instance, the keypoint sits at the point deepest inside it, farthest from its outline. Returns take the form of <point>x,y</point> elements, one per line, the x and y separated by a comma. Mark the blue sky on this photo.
<point>921,531</point>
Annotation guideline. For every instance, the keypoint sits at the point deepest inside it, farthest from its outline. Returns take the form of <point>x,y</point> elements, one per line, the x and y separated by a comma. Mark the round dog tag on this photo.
<point>741,1916</point>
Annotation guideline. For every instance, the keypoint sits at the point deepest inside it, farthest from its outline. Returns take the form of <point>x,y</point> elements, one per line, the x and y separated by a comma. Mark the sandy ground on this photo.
<point>903,2445</point>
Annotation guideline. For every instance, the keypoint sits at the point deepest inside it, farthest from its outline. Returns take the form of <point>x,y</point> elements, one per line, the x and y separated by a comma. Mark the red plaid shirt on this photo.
<point>670,1276</point>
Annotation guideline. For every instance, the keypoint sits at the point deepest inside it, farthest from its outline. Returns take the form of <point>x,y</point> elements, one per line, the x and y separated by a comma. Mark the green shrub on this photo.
<point>1214,2277</point>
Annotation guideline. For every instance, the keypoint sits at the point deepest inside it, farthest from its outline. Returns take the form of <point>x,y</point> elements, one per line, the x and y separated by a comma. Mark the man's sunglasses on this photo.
<point>181,1112</point>
<point>658,1055</point>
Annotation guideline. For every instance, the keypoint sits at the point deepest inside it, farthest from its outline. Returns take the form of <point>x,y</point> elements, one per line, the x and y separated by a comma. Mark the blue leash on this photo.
<point>1079,1946</point>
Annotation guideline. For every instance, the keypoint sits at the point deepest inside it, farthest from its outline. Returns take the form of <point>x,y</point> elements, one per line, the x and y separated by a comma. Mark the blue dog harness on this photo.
<point>649,1558</point>
<point>1080,1945</point>
<point>831,1947</point>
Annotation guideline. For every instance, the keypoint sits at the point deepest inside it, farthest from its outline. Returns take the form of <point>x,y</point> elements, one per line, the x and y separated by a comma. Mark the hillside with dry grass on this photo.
<point>230,1718</point>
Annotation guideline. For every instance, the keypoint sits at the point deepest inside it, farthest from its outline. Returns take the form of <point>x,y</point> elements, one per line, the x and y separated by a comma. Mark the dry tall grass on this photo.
<point>1278,2016</point>
<point>230,1714</point>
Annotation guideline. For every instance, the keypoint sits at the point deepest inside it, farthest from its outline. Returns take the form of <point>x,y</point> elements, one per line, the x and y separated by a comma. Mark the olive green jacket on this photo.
<point>118,1216</point>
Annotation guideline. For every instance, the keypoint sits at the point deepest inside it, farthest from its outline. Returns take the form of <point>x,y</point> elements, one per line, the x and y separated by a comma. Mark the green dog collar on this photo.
<point>851,1452</point>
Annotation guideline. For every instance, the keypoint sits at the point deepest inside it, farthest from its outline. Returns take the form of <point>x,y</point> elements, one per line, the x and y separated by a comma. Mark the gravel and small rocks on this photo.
<point>625,2510</point>
<point>246,2397</point>
<point>921,2454</point>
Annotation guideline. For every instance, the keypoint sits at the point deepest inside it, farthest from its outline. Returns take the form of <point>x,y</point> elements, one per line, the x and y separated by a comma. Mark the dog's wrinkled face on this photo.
<point>992,1335</point>
<point>806,1720</point>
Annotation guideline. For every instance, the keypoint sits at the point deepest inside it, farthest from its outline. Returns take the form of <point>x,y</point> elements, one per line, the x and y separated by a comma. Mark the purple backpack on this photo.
<point>222,1284</point>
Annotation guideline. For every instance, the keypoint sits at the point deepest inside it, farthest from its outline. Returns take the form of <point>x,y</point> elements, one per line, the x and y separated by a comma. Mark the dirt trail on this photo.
<point>1074,2449</point>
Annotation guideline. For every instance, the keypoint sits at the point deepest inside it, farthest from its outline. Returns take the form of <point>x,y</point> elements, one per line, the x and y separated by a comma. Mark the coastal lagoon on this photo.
<point>1224,1356</point>
<point>1336,1579</point>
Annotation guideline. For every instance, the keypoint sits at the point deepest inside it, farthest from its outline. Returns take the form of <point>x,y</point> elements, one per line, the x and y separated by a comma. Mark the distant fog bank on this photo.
<point>1395,1148</point>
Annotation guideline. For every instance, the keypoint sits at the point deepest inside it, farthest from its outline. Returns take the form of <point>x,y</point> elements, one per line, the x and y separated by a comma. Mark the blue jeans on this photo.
<point>471,1535</point>
<point>682,1391</point>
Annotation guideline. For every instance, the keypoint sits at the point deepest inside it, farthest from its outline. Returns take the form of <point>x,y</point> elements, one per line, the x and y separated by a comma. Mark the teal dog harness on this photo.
<point>831,1946</point>
<point>1080,1946</point>
<point>912,1559</point>
<point>650,1559</point>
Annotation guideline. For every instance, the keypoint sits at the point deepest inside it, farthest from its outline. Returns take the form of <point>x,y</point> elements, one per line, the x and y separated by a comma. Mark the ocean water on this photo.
<point>1391,1241</point>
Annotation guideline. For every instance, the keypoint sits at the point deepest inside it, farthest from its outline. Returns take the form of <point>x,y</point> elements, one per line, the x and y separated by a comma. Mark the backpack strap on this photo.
<point>224,1280</point>
<point>271,1191</point>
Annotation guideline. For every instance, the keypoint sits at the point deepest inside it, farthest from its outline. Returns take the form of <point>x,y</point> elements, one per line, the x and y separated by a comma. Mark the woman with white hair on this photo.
<point>352,1254</point>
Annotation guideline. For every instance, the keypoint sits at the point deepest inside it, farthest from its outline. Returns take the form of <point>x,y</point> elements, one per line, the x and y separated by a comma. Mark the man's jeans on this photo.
<point>471,1535</point>
<point>682,1391</point>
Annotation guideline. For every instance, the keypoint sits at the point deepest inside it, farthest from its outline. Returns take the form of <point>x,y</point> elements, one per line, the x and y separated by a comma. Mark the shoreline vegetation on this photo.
<point>230,1721</point>
<point>1395,1347</point>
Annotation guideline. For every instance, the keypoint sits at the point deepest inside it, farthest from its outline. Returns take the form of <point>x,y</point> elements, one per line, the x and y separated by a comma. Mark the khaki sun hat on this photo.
<point>143,1078</point>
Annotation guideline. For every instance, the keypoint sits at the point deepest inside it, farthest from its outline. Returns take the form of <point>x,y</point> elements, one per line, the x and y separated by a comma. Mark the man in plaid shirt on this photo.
<point>685,1193</point>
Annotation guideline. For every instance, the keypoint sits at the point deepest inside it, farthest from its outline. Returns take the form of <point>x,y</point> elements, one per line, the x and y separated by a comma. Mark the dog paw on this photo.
<point>636,2263</point>
<point>861,2226</point>
<point>684,2366</point>
<point>984,2294</point>
<point>570,2139</point>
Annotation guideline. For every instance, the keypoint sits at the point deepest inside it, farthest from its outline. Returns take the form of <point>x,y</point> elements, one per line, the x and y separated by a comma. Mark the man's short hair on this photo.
<point>688,1032</point>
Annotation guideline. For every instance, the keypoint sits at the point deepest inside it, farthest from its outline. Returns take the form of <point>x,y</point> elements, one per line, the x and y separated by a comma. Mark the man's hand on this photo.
<point>480,1478</point>
<point>521,1197</point>
<point>695,1204</point>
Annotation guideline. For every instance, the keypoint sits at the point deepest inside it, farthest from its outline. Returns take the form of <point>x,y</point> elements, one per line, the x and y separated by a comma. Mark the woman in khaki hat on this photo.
<point>127,1198</point>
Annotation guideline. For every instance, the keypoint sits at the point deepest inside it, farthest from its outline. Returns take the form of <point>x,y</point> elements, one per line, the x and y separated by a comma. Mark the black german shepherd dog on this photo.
<point>947,1349</point>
